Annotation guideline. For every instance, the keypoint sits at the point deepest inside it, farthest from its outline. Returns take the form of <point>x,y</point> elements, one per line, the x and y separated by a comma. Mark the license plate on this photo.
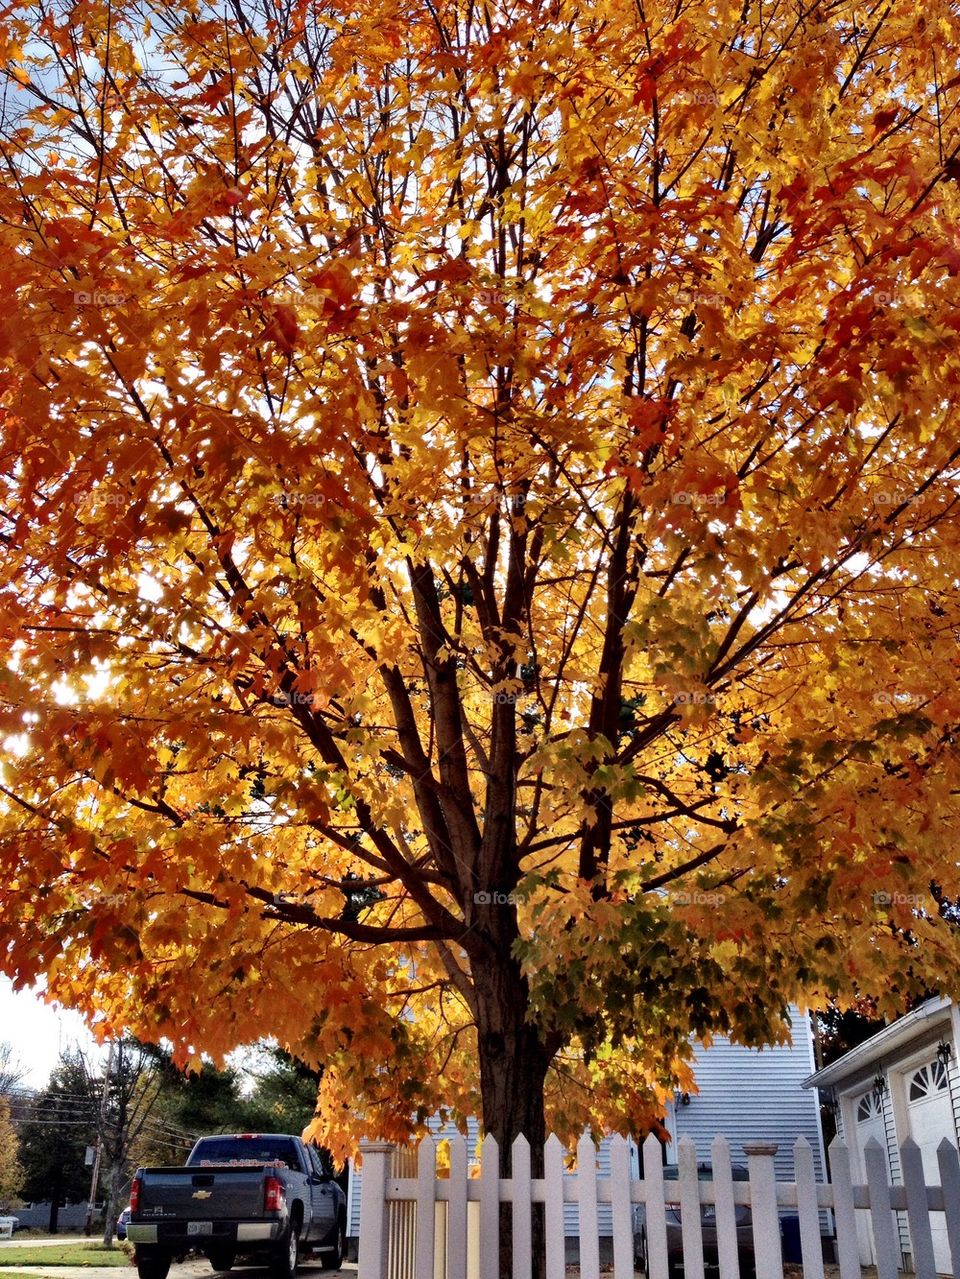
<point>199,1227</point>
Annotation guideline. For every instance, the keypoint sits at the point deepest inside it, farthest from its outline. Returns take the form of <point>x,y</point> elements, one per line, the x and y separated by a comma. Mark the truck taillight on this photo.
<point>273,1197</point>
<point>135,1194</point>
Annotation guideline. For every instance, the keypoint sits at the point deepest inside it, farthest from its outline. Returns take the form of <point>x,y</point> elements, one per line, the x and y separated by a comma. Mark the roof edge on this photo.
<point>884,1041</point>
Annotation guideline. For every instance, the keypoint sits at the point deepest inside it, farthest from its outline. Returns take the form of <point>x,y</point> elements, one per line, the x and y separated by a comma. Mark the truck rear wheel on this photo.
<point>284,1262</point>
<point>151,1263</point>
<point>334,1260</point>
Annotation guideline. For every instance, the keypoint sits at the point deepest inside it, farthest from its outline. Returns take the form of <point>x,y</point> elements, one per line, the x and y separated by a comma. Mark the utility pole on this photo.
<point>101,1124</point>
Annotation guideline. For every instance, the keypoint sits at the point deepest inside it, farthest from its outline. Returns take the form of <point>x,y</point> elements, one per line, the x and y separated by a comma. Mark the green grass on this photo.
<point>77,1254</point>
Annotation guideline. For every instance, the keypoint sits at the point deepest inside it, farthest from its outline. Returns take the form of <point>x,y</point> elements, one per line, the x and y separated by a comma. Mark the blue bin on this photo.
<point>790,1237</point>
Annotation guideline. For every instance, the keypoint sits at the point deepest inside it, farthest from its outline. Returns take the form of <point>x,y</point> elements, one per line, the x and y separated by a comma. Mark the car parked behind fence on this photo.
<point>708,1225</point>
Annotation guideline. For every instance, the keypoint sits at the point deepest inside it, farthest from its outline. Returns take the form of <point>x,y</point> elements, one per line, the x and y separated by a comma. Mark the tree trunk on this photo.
<point>110,1208</point>
<point>513,1069</point>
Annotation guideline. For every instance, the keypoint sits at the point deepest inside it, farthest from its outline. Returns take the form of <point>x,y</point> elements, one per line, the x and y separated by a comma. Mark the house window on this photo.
<point>868,1107</point>
<point>928,1080</point>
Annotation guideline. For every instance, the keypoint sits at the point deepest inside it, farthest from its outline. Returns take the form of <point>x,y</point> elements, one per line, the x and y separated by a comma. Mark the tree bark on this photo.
<point>513,1068</point>
<point>110,1210</point>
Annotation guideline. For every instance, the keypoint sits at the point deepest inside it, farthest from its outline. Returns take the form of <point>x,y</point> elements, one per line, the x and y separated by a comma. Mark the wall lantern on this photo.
<point>944,1051</point>
<point>879,1087</point>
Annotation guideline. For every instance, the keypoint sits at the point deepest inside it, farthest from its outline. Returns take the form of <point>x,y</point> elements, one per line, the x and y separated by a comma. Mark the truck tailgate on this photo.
<point>202,1194</point>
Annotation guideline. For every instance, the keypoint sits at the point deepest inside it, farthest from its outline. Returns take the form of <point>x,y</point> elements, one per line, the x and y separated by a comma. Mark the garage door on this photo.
<point>931,1119</point>
<point>869,1124</point>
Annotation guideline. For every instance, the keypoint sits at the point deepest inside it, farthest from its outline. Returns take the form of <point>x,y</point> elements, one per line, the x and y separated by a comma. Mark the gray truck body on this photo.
<point>215,1203</point>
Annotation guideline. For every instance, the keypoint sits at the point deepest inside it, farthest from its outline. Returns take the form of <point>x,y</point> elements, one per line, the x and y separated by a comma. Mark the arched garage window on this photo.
<point>928,1079</point>
<point>868,1107</point>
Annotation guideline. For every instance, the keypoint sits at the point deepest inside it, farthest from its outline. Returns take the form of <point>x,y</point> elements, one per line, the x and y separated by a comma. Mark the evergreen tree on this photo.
<point>59,1125</point>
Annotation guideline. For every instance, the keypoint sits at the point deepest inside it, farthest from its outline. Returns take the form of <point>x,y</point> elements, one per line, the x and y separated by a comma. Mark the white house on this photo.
<point>901,1082</point>
<point>745,1094</point>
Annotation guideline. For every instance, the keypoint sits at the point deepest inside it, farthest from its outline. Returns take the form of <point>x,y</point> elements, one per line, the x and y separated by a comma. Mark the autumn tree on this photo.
<point>479,509</point>
<point>11,1170</point>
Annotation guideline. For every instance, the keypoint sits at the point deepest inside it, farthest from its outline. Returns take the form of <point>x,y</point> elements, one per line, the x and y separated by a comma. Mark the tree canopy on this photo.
<point>478,493</point>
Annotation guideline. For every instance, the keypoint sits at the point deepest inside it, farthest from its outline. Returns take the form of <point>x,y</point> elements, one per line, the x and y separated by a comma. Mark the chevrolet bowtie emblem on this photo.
<point>202,1194</point>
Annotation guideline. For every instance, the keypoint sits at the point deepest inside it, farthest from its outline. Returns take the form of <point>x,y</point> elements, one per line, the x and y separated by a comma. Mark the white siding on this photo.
<point>750,1094</point>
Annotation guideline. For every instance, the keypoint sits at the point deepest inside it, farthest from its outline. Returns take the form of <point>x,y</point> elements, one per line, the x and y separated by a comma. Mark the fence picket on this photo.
<point>426,1207</point>
<point>521,1196</point>
<point>810,1246</point>
<point>848,1245</point>
<point>881,1214</point>
<point>553,1208</point>
<point>911,1163</point>
<point>949,1162</point>
<point>763,1200</point>
<point>374,1243</point>
<point>690,1225</point>
<point>622,1214</point>
<point>489,1224</point>
<point>587,1196</point>
<point>654,1215</point>
<point>724,1208</point>
<point>457,1210</point>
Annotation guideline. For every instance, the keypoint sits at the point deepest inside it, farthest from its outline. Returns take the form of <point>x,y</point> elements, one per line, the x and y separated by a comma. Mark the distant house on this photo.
<point>745,1094</point>
<point>901,1082</point>
<point>70,1217</point>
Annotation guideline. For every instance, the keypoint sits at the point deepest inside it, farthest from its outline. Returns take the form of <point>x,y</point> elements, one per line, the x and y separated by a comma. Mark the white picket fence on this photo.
<point>416,1224</point>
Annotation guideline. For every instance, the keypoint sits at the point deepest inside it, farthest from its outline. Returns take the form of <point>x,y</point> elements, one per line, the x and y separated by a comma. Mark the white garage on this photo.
<point>902,1082</point>
<point>870,1123</point>
<point>930,1115</point>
